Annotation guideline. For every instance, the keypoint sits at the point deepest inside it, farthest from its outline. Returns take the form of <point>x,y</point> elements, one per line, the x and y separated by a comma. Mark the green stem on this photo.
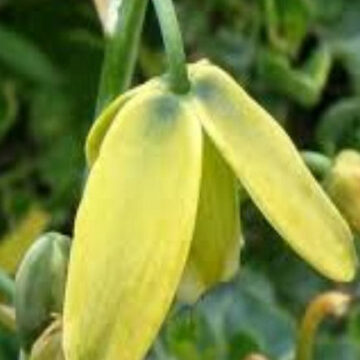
<point>174,46</point>
<point>121,51</point>
<point>272,26</point>
<point>319,164</point>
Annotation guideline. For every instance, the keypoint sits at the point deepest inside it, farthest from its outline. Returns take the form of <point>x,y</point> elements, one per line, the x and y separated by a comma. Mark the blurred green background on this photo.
<point>299,58</point>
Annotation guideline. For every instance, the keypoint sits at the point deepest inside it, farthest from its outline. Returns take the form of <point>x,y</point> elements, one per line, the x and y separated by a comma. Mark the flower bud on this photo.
<point>343,186</point>
<point>39,286</point>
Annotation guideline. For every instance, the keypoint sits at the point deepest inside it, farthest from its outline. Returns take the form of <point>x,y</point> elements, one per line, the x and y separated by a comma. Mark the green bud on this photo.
<point>343,186</point>
<point>40,285</point>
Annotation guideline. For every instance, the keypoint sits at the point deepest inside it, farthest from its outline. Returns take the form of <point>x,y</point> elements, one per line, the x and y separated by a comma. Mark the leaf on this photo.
<point>188,336</point>
<point>336,348</point>
<point>25,58</point>
<point>347,51</point>
<point>8,108</point>
<point>345,18</point>
<point>62,170</point>
<point>133,230</point>
<point>339,127</point>
<point>50,115</point>
<point>234,53</point>
<point>286,24</point>
<point>272,171</point>
<point>326,11</point>
<point>237,318</point>
<point>295,16</point>
<point>271,327</point>
<point>305,84</point>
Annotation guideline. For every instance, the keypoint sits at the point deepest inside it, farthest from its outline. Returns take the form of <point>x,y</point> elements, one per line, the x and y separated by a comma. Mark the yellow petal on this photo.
<point>133,230</point>
<point>270,168</point>
<point>103,122</point>
<point>215,249</point>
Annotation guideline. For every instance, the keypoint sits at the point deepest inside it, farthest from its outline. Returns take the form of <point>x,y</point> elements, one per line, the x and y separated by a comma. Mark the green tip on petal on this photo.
<point>102,124</point>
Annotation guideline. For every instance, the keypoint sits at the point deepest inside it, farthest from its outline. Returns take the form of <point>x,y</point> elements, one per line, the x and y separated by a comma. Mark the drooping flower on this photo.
<point>160,209</point>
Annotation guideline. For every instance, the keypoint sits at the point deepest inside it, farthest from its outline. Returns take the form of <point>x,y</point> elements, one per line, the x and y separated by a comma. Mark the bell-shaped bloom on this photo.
<point>159,212</point>
<point>343,186</point>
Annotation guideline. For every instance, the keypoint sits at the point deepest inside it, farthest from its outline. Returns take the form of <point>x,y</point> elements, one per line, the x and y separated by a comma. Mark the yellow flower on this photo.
<point>160,207</point>
<point>343,186</point>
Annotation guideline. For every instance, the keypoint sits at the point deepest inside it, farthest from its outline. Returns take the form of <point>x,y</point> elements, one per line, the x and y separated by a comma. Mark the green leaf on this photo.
<point>339,127</point>
<point>236,319</point>
<point>287,23</point>
<point>337,348</point>
<point>25,58</point>
<point>8,108</point>
<point>347,51</point>
<point>305,84</point>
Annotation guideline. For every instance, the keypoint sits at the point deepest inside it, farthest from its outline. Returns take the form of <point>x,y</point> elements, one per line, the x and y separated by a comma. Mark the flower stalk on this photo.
<point>329,304</point>
<point>122,25</point>
<point>174,47</point>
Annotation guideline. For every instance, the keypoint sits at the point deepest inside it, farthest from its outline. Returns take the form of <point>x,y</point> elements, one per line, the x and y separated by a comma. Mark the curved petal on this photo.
<point>103,122</point>
<point>133,230</point>
<point>215,249</point>
<point>270,168</point>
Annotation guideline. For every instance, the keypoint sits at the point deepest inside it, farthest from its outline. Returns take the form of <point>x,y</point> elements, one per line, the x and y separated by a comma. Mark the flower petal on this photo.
<point>133,230</point>
<point>103,122</point>
<point>215,249</point>
<point>270,168</point>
